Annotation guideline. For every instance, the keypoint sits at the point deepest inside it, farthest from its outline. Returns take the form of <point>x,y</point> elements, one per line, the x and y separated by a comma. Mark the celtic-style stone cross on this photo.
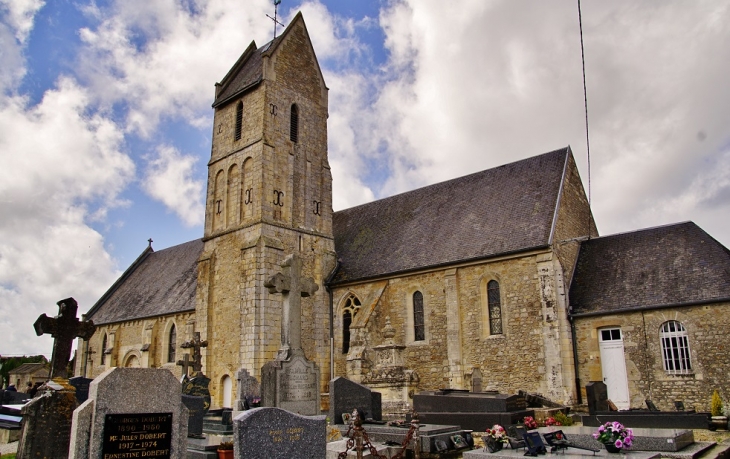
<point>65,327</point>
<point>196,344</point>
<point>185,363</point>
<point>290,283</point>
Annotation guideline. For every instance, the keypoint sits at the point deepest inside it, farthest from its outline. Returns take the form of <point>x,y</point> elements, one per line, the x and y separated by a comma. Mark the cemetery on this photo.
<point>147,412</point>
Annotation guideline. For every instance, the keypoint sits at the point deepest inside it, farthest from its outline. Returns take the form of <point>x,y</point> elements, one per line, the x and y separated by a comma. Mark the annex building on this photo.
<point>498,277</point>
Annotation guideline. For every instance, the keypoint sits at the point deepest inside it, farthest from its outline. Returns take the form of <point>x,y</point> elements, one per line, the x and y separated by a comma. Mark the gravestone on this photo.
<point>196,412</point>
<point>82,387</point>
<point>131,411</point>
<point>346,395</point>
<point>291,381</point>
<point>46,427</point>
<point>266,433</point>
<point>597,397</point>
<point>247,391</point>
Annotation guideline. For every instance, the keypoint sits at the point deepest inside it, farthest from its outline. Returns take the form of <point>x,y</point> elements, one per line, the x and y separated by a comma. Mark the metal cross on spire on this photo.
<point>276,12</point>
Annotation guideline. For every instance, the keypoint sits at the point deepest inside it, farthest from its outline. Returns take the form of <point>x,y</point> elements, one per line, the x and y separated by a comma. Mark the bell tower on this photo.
<point>269,195</point>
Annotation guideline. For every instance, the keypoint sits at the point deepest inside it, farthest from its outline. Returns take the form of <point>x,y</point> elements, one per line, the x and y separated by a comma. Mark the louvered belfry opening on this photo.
<point>294,124</point>
<point>239,121</point>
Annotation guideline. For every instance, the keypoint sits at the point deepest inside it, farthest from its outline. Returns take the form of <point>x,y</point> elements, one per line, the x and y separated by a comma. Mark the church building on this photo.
<point>496,280</point>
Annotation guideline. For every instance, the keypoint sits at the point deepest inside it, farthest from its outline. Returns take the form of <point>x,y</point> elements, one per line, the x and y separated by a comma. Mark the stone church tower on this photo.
<point>269,195</point>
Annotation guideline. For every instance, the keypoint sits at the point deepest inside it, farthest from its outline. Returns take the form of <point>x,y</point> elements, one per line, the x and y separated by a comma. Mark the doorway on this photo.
<point>227,391</point>
<point>613,366</point>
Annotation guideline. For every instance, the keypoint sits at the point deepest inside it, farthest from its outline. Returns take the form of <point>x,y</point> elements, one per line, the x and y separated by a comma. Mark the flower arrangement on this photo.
<point>615,434</point>
<point>529,423</point>
<point>496,434</point>
<point>551,421</point>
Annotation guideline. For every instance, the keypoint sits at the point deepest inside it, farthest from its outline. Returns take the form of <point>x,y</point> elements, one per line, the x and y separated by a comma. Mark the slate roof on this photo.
<point>246,73</point>
<point>655,267</point>
<point>30,368</point>
<point>157,283</point>
<point>502,210</point>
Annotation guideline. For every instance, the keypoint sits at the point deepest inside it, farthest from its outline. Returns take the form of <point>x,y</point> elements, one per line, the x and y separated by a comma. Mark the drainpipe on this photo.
<point>575,355</point>
<point>332,312</point>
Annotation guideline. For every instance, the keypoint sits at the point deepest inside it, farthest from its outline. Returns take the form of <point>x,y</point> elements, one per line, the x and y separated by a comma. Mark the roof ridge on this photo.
<point>650,228</point>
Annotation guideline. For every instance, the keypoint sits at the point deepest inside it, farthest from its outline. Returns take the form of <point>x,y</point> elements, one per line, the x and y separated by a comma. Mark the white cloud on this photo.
<point>59,164</point>
<point>20,15</point>
<point>169,179</point>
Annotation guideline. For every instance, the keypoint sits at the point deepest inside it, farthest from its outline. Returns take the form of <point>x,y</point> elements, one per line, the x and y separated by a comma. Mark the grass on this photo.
<point>8,456</point>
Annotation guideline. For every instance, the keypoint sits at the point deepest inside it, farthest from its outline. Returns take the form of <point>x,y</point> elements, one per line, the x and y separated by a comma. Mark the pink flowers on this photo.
<point>614,433</point>
<point>552,422</point>
<point>529,422</point>
<point>497,433</point>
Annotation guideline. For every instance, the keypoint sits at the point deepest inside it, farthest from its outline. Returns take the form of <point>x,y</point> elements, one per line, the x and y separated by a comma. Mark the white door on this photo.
<point>613,365</point>
<point>227,391</point>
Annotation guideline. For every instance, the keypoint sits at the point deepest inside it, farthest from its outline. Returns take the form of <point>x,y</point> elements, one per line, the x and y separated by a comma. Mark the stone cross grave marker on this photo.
<point>290,283</point>
<point>65,327</point>
<point>196,344</point>
<point>185,363</point>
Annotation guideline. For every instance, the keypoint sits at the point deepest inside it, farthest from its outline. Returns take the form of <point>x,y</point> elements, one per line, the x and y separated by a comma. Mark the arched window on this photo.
<point>349,312</point>
<point>675,348</point>
<point>103,349</point>
<point>419,326</point>
<point>495,308</point>
<point>172,345</point>
<point>239,121</point>
<point>294,124</point>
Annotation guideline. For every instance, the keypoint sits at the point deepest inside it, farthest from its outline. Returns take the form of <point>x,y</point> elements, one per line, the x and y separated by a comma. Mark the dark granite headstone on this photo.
<point>470,410</point>
<point>197,386</point>
<point>82,387</point>
<point>265,433</point>
<point>346,395</point>
<point>597,395</point>
<point>196,412</point>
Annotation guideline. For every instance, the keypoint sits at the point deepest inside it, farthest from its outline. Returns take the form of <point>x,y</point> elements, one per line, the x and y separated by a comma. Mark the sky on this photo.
<point>106,118</point>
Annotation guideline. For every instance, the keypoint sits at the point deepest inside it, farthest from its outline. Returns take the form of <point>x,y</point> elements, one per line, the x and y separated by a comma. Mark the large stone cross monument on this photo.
<point>291,381</point>
<point>290,283</point>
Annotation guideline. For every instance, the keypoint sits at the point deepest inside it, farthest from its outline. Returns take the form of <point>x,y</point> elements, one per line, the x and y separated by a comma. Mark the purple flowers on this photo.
<point>614,433</point>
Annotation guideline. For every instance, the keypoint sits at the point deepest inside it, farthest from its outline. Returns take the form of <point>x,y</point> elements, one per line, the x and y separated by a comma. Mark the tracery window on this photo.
<point>172,345</point>
<point>239,121</point>
<point>495,308</point>
<point>675,348</point>
<point>349,312</point>
<point>294,124</point>
<point>419,326</point>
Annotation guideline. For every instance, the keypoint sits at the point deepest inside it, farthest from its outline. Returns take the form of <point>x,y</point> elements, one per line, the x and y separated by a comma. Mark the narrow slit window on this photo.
<point>419,326</point>
<point>172,345</point>
<point>294,124</point>
<point>495,308</point>
<point>239,121</point>
<point>103,349</point>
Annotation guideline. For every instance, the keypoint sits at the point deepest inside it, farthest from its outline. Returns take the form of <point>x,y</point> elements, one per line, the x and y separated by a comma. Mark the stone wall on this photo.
<point>706,326</point>
<point>142,343</point>
<point>458,338</point>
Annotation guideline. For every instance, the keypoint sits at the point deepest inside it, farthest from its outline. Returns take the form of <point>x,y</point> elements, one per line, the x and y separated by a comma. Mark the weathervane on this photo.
<point>276,12</point>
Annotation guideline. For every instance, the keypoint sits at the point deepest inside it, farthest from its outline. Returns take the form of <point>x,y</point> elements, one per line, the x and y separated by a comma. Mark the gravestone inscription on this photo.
<point>137,435</point>
<point>265,433</point>
<point>196,414</point>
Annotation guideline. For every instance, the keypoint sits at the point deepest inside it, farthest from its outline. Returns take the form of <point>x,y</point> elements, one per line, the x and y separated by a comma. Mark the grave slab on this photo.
<point>649,419</point>
<point>662,440</point>
<point>196,413</point>
<point>131,409</point>
<point>266,433</point>
<point>569,454</point>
